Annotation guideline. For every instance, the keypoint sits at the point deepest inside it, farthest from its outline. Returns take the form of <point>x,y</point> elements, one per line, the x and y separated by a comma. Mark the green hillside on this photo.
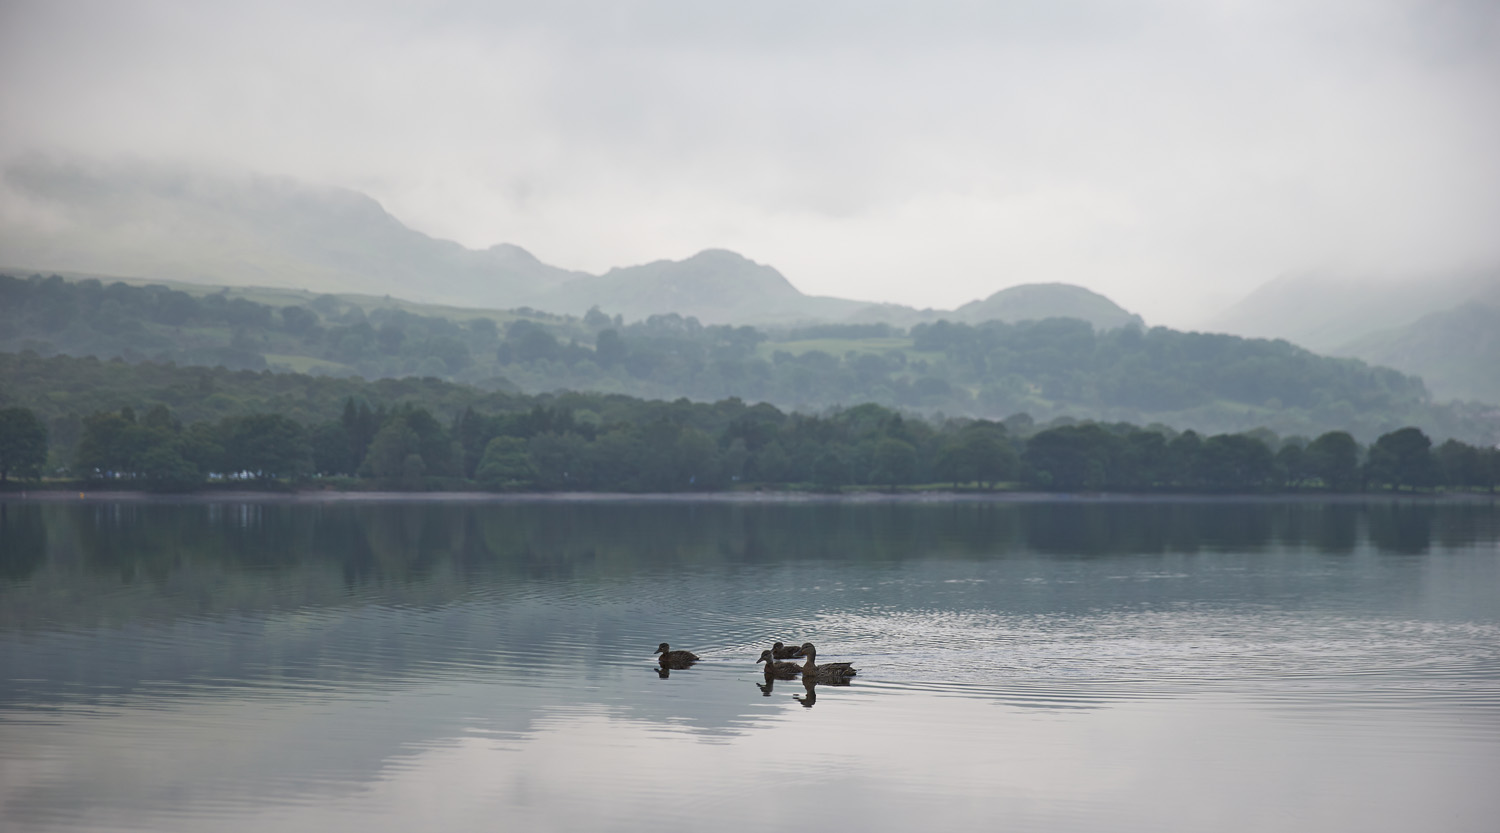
<point>1038,301</point>
<point>715,286</point>
<point>1046,369</point>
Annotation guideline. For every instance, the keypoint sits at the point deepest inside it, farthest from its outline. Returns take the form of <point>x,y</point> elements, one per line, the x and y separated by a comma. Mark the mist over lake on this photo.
<point>1045,664</point>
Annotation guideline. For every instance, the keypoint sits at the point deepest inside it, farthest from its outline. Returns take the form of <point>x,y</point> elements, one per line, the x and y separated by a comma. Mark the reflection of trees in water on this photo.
<point>454,542</point>
<point>1191,526</point>
<point>23,540</point>
<point>1404,529</point>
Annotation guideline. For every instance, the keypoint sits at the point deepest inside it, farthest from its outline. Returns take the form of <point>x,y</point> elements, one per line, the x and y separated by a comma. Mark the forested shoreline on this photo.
<point>284,431</point>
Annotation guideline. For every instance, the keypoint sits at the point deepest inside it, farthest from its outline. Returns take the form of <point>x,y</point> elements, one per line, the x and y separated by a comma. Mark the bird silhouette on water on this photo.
<point>784,651</point>
<point>778,670</point>
<point>674,659</point>
<point>832,673</point>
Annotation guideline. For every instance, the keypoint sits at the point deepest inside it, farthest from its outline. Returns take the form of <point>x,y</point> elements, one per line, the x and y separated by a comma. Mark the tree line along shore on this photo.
<point>611,443</point>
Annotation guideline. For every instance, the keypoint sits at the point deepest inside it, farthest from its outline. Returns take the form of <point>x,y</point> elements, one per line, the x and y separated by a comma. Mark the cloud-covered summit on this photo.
<point>1172,154</point>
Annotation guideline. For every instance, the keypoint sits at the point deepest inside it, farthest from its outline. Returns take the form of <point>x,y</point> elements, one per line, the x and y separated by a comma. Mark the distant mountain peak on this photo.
<point>1034,301</point>
<point>161,222</point>
<point>726,256</point>
<point>1323,311</point>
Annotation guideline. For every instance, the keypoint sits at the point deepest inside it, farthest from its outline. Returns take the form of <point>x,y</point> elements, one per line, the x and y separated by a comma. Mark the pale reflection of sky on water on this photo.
<point>1105,666</point>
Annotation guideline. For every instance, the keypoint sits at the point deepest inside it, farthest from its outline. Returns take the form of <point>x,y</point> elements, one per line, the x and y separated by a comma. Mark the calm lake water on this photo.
<point>1058,666</point>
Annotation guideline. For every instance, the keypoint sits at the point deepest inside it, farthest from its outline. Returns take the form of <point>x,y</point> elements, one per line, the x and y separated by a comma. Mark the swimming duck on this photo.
<point>779,670</point>
<point>675,659</point>
<point>781,651</point>
<point>828,672</point>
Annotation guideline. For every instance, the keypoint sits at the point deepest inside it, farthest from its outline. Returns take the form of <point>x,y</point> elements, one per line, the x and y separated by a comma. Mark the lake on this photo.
<point>1041,664</point>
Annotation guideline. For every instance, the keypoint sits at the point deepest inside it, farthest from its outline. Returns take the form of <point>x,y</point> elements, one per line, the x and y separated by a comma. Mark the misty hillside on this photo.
<point>259,231</point>
<point>1323,313</point>
<point>1038,301</point>
<point>1056,367</point>
<point>1456,351</point>
<point>166,224</point>
<point>714,286</point>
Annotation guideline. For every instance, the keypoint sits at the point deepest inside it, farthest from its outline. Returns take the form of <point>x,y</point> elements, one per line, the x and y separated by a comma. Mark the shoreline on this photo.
<point>743,498</point>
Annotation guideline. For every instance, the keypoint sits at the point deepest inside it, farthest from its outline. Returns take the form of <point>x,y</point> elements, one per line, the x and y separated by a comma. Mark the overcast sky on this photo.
<point>1172,155</point>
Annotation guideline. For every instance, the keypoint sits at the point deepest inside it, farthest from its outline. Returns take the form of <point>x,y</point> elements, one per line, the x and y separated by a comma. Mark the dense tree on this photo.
<point>558,460</point>
<point>894,463</point>
<point>23,444</point>
<point>505,465</point>
<point>1402,458</point>
<point>1334,459</point>
<point>1144,462</point>
<point>393,444</point>
<point>609,348</point>
<point>163,468</point>
<point>100,452</point>
<point>1293,464</point>
<point>1070,457</point>
<point>978,453</point>
<point>831,469</point>
<point>1235,461</point>
<point>266,447</point>
<point>1183,452</point>
<point>1460,464</point>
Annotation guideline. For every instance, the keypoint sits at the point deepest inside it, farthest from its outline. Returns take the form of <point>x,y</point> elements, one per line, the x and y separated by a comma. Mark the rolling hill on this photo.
<point>1052,368</point>
<point>1325,312</point>
<point>1038,301</point>
<point>1456,351</point>
<point>168,224</point>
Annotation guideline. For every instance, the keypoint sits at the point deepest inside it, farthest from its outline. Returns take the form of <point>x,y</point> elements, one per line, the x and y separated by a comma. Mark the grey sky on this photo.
<point>1172,155</point>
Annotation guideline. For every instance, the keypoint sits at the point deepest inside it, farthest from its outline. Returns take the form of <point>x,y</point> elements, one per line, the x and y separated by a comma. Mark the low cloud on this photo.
<point>1172,155</point>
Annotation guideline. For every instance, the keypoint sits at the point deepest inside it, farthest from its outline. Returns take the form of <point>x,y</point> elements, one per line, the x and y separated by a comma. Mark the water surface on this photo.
<point>1069,665</point>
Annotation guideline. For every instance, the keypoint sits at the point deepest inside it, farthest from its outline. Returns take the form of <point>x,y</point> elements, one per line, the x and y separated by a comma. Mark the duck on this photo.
<point>828,672</point>
<point>783,651</point>
<point>674,659</point>
<point>778,670</point>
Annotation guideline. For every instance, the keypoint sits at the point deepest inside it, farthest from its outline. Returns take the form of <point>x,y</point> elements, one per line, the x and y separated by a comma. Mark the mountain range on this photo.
<point>1455,351</point>
<point>170,224</point>
<point>1441,327</point>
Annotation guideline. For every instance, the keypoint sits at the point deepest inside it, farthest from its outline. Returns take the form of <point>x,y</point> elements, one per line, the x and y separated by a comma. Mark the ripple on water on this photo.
<point>1054,659</point>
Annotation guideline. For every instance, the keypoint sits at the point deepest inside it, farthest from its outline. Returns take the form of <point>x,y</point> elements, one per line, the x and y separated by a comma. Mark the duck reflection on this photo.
<point>810,697</point>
